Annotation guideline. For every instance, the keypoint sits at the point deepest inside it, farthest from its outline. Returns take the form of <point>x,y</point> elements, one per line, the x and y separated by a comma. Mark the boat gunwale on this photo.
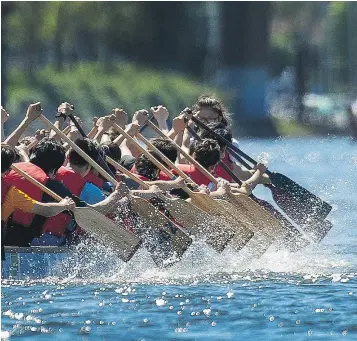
<point>38,249</point>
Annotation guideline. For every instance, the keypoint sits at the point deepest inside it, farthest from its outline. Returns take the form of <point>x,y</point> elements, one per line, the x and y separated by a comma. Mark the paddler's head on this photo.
<point>49,155</point>
<point>76,162</point>
<point>220,129</point>
<point>7,158</point>
<point>209,109</point>
<point>145,167</point>
<point>166,147</point>
<point>206,153</point>
<point>113,151</point>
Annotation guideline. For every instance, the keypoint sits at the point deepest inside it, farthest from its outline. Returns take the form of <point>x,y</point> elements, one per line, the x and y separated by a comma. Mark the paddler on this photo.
<point>13,199</point>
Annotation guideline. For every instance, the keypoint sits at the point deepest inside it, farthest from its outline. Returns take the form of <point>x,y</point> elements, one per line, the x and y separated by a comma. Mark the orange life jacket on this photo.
<point>5,187</point>
<point>17,180</point>
<point>55,225</point>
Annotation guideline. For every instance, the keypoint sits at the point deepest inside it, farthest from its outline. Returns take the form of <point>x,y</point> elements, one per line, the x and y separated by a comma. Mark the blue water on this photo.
<point>310,295</point>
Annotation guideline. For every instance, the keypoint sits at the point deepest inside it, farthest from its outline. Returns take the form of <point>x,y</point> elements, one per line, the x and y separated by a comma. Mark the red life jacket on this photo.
<point>17,180</point>
<point>72,180</point>
<point>141,177</point>
<point>164,177</point>
<point>75,183</point>
<point>219,170</point>
<point>94,179</point>
<point>194,174</point>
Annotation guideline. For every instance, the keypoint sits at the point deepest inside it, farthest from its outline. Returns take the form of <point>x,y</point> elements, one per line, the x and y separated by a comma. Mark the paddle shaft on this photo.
<point>80,129</point>
<point>36,183</point>
<point>221,163</point>
<point>145,124</point>
<point>85,156</point>
<point>103,164</point>
<point>145,152</point>
<point>309,204</point>
<point>225,141</point>
<point>127,173</point>
<point>188,157</point>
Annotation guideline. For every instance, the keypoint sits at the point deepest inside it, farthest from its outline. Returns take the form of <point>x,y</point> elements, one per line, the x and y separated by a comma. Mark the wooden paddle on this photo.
<point>124,243</point>
<point>200,223</point>
<point>180,241</point>
<point>242,233</point>
<point>298,203</point>
<point>294,239</point>
<point>317,230</point>
<point>217,238</point>
<point>173,248</point>
<point>246,208</point>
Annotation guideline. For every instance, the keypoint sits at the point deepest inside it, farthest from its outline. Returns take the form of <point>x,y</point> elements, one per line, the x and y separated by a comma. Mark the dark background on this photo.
<point>282,67</point>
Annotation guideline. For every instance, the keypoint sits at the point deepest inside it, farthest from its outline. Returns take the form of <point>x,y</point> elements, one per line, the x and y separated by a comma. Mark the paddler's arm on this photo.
<point>161,115</point>
<point>166,186</point>
<point>53,208</point>
<point>16,199</point>
<point>63,111</point>
<point>31,115</point>
<point>248,186</point>
<point>246,174</point>
<point>126,148</point>
<point>94,129</point>
<point>179,125</point>
<point>147,193</point>
<point>104,123</point>
<point>4,117</point>
<point>107,205</point>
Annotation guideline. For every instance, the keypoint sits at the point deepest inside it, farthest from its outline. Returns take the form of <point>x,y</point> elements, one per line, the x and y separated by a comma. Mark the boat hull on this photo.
<point>23,263</point>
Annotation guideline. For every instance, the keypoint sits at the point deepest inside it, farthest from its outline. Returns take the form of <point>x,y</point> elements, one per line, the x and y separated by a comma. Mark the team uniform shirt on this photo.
<point>16,199</point>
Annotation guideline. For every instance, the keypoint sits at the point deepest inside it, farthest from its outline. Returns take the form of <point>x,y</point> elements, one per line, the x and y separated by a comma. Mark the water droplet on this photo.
<point>160,302</point>
<point>207,312</point>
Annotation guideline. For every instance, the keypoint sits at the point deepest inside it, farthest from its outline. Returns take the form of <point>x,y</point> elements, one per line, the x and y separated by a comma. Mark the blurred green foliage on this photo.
<point>94,91</point>
<point>79,51</point>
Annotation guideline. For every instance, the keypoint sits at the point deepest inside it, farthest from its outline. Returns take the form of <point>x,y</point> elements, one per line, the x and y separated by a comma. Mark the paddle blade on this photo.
<point>293,240</point>
<point>229,223</point>
<point>200,223</point>
<point>105,230</point>
<point>299,204</point>
<point>165,240</point>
